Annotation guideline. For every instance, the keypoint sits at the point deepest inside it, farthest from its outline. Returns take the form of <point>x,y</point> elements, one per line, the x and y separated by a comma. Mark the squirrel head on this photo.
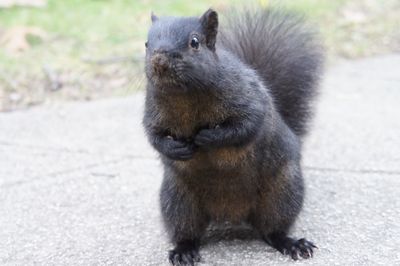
<point>180,52</point>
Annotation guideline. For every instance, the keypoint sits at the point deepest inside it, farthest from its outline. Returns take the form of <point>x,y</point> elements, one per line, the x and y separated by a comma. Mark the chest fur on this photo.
<point>227,195</point>
<point>184,114</point>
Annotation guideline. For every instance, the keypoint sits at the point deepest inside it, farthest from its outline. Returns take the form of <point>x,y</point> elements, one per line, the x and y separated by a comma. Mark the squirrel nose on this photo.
<point>160,63</point>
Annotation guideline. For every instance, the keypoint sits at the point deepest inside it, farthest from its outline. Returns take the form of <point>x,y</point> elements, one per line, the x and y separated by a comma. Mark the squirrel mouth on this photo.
<point>163,70</point>
<point>160,64</point>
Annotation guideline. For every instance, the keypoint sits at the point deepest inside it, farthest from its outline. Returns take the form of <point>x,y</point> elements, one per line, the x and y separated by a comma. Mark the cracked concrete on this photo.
<point>79,182</point>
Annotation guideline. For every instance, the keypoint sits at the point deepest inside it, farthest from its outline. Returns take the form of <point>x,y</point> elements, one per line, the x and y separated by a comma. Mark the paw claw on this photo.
<point>186,257</point>
<point>305,248</point>
<point>296,249</point>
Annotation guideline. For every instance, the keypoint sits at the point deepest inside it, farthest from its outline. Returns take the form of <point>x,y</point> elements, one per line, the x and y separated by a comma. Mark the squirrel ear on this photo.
<point>209,24</point>
<point>154,18</point>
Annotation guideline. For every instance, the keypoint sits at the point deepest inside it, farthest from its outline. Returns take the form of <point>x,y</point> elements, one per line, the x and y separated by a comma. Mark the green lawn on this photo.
<point>94,48</point>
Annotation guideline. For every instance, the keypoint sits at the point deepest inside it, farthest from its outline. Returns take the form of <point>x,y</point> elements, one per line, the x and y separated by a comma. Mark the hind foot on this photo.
<point>289,246</point>
<point>185,253</point>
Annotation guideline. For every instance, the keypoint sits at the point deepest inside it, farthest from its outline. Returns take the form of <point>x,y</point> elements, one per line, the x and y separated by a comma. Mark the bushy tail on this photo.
<point>286,55</point>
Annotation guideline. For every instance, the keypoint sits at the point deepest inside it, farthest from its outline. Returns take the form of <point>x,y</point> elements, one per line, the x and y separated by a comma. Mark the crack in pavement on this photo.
<point>68,171</point>
<point>46,148</point>
<point>124,158</point>
<point>355,171</point>
<point>68,150</point>
<point>118,158</point>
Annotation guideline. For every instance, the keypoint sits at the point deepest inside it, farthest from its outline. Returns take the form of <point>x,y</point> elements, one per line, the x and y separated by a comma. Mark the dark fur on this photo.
<point>227,120</point>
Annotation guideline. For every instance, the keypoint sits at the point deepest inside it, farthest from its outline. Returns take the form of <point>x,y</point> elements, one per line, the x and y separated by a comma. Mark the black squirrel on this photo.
<point>227,109</point>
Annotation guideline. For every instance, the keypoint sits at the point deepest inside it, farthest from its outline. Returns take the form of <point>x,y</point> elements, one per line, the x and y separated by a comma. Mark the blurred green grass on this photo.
<point>84,38</point>
<point>90,28</point>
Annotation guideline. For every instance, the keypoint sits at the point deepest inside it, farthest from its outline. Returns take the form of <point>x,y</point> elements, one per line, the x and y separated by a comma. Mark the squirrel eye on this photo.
<point>194,43</point>
<point>146,44</point>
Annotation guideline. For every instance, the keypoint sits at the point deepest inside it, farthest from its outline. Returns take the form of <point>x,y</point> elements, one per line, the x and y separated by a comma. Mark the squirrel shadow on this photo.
<point>229,232</point>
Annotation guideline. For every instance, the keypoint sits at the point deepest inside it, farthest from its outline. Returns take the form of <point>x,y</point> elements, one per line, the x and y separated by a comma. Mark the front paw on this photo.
<point>208,137</point>
<point>178,149</point>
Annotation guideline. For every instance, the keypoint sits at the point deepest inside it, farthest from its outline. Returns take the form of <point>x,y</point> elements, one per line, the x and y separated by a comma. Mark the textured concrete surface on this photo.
<point>79,183</point>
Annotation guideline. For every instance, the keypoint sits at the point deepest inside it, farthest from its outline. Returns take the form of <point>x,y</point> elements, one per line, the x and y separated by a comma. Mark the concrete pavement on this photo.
<point>79,183</point>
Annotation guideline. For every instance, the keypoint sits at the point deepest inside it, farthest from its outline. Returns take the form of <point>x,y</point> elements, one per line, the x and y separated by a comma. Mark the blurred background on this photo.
<point>53,50</point>
<point>79,183</point>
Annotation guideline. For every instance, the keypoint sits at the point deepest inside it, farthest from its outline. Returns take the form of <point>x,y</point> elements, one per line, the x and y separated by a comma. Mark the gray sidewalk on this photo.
<point>79,182</point>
